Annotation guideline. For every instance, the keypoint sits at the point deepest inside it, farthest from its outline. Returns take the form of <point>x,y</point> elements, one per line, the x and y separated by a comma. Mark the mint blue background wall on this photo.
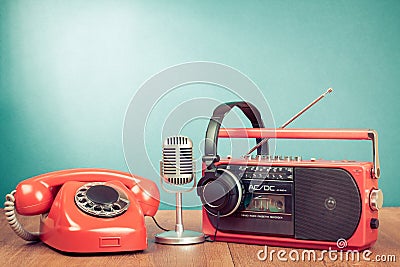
<point>69,68</point>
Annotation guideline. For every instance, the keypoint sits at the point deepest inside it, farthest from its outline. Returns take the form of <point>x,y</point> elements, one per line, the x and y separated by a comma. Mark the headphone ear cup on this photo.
<point>221,193</point>
<point>200,185</point>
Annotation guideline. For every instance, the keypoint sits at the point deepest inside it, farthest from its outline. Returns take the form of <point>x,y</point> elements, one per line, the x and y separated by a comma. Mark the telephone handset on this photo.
<point>86,210</point>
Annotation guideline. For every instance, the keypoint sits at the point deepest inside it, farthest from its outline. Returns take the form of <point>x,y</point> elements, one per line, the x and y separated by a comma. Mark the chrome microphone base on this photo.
<point>186,237</point>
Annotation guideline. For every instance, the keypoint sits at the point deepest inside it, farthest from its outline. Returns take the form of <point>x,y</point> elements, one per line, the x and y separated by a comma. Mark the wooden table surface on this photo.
<point>16,252</point>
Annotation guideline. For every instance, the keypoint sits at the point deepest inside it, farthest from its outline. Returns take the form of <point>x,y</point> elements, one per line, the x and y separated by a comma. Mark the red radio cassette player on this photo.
<point>287,201</point>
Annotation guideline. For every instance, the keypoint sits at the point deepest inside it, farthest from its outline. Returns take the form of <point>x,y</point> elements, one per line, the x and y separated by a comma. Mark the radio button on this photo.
<point>376,199</point>
<point>260,157</point>
<point>297,158</point>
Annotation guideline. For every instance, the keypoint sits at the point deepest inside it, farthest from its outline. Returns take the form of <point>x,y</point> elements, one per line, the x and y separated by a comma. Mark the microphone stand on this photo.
<point>180,236</point>
<point>179,222</point>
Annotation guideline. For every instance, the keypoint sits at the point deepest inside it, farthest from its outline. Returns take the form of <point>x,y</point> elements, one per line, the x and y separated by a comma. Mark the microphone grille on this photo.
<point>177,160</point>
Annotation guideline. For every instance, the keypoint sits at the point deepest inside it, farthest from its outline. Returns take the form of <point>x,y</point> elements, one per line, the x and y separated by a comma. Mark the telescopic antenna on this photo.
<point>263,141</point>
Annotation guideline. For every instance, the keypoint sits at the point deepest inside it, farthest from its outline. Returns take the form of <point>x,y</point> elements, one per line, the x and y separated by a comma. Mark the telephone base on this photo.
<point>96,242</point>
<point>69,229</point>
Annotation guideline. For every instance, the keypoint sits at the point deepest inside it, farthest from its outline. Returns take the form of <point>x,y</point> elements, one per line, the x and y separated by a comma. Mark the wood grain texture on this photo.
<point>16,252</point>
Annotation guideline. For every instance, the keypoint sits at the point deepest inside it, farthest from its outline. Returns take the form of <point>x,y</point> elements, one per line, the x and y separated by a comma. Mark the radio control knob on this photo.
<point>374,223</point>
<point>376,199</point>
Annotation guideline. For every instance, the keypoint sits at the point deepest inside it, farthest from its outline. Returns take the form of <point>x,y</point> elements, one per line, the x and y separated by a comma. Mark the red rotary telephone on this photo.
<point>86,210</point>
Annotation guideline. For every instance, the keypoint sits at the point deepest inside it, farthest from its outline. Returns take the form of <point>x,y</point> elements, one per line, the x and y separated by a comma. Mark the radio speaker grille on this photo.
<point>327,204</point>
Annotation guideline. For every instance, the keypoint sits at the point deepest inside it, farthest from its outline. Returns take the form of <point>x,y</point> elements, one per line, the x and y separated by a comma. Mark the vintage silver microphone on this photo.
<point>177,168</point>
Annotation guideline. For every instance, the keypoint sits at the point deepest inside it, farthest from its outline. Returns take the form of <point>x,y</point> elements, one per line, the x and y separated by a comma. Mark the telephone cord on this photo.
<point>9,208</point>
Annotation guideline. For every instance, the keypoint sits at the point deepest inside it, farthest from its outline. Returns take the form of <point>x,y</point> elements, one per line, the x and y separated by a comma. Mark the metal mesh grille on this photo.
<point>178,160</point>
<point>314,219</point>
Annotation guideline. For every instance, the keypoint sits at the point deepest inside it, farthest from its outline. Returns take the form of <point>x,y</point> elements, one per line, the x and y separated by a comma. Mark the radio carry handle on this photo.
<point>310,133</point>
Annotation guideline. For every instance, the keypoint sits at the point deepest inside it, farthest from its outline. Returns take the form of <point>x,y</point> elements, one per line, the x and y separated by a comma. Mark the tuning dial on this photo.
<point>376,199</point>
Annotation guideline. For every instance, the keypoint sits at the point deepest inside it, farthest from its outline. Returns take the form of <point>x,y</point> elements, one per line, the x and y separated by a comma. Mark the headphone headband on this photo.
<point>211,142</point>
